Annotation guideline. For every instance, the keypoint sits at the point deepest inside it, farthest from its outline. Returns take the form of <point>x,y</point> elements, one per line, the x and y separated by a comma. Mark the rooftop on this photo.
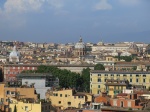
<point>123,72</point>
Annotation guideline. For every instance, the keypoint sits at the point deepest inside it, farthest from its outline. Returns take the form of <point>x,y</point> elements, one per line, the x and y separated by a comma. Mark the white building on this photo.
<point>14,56</point>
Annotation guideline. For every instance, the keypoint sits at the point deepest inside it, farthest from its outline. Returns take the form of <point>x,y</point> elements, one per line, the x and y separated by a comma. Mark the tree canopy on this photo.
<point>99,67</point>
<point>126,58</point>
<point>67,79</point>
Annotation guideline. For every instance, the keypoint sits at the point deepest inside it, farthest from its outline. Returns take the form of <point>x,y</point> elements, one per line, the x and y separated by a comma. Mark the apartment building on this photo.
<point>28,105</point>
<point>7,91</point>
<point>127,101</point>
<point>98,79</point>
<point>11,70</point>
<point>69,98</point>
<point>113,87</point>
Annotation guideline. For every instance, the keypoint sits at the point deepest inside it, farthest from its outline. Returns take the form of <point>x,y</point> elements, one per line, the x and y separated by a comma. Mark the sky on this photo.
<point>63,21</point>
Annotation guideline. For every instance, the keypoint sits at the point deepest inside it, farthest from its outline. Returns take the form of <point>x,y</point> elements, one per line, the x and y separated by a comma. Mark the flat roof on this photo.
<point>34,74</point>
<point>120,72</point>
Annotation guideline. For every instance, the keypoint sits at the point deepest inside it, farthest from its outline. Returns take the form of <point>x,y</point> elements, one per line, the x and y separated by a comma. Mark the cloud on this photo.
<point>103,5</point>
<point>57,4</point>
<point>23,6</point>
<point>129,2</point>
<point>20,6</point>
<point>13,12</point>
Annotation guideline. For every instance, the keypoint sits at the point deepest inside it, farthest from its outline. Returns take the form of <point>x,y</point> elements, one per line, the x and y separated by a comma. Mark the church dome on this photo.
<point>14,53</point>
<point>80,44</point>
<point>133,47</point>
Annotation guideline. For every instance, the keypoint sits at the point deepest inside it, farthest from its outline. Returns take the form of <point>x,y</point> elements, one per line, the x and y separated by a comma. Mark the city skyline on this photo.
<point>63,21</point>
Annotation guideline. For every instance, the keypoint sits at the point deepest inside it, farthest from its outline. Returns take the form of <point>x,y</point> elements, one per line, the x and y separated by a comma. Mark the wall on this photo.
<point>130,76</point>
<point>39,86</point>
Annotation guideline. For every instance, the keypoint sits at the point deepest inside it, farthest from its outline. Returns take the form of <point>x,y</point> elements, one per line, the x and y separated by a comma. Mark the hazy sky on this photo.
<point>63,21</point>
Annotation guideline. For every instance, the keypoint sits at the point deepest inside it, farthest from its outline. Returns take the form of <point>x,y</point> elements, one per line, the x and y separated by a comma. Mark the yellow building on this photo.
<point>98,79</point>
<point>69,98</point>
<point>113,87</point>
<point>7,92</point>
<point>111,58</point>
<point>28,105</point>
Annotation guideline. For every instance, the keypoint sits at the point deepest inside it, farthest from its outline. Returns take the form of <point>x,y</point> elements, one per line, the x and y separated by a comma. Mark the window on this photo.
<point>98,86</point>
<point>65,95</point>
<point>2,99</point>
<point>18,67</point>
<point>60,95</point>
<point>112,74</point>
<point>80,96</point>
<point>7,92</point>
<point>144,80</point>
<point>124,75</point>
<point>26,108</point>
<point>69,103</point>
<point>137,75</point>
<point>23,68</point>
<point>56,94</point>
<point>32,68</point>
<point>99,80</point>
<point>118,75</point>
<point>144,75</point>
<point>98,92</point>
<point>129,103</point>
<point>13,93</point>
<point>59,102</point>
<point>130,75</point>
<point>99,74</point>
<point>130,80</point>
<point>114,103</point>
<point>137,80</point>
<point>6,100</point>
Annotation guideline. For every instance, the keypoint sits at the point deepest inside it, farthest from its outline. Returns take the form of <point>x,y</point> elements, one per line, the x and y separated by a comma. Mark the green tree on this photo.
<point>126,58</point>
<point>66,78</point>
<point>134,68</point>
<point>85,77</point>
<point>99,67</point>
<point>15,109</point>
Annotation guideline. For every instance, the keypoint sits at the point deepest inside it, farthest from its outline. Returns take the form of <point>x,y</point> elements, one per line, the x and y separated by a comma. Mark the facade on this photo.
<point>98,79</point>
<point>28,105</point>
<point>113,87</point>
<point>125,100</point>
<point>10,71</point>
<point>42,82</point>
<point>110,48</point>
<point>8,92</point>
<point>69,98</point>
